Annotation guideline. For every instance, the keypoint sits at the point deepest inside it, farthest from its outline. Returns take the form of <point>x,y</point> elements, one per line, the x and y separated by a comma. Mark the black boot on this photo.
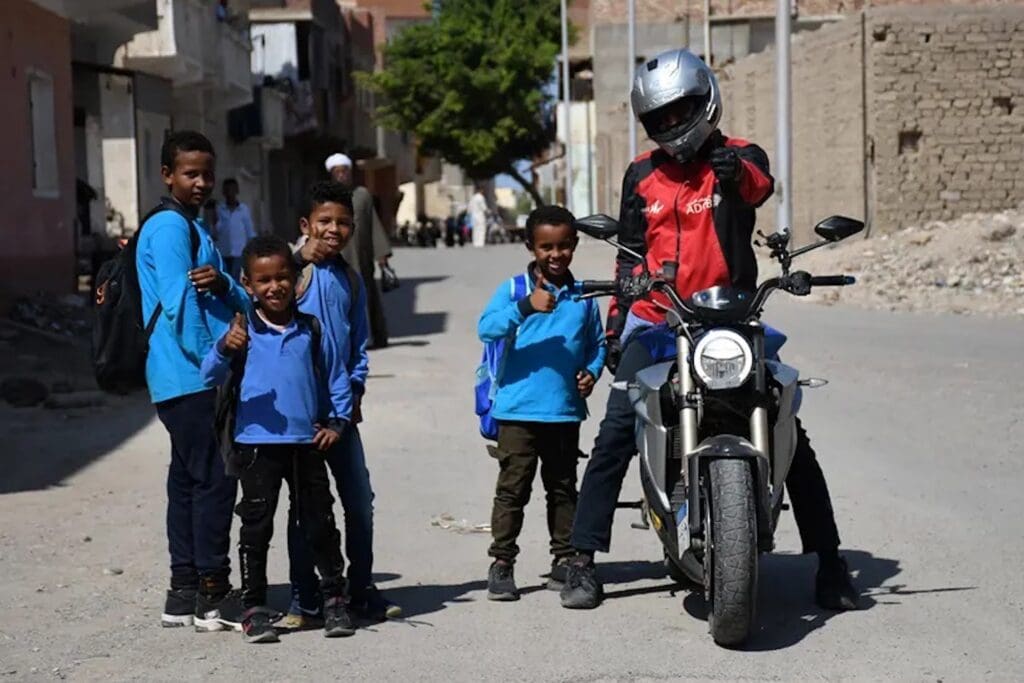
<point>501,582</point>
<point>217,606</point>
<point>833,588</point>
<point>582,588</point>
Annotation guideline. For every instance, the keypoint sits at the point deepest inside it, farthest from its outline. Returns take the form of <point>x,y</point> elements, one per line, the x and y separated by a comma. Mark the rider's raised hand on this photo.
<point>726,164</point>
<point>541,299</point>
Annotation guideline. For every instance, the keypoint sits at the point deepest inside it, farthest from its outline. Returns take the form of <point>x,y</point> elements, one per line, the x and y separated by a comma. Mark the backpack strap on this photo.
<point>317,334</point>
<point>168,204</point>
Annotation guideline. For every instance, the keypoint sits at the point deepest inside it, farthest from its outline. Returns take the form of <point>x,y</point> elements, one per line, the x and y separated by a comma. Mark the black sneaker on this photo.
<point>501,582</point>
<point>559,574</point>
<point>221,612</point>
<point>258,626</point>
<point>833,589</point>
<point>582,590</point>
<point>179,607</point>
<point>373,606</point>
<point>337,619</point>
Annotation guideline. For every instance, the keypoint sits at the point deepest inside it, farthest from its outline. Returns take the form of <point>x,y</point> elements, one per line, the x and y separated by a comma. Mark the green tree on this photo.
<point>470,84</point>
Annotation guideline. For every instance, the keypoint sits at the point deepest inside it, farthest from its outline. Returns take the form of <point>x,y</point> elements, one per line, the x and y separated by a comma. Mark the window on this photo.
<point>44,135</point>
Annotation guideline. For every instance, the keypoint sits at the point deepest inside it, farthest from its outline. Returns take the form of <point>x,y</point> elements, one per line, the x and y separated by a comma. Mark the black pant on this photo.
<point>520,446</point>
<point>263,470</point>
<point>615,446</point>
<point>199,494</point>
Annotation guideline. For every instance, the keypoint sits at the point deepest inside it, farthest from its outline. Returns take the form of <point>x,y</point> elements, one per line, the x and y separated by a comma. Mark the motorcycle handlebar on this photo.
<point>596,286</point>
<point>832,280</point>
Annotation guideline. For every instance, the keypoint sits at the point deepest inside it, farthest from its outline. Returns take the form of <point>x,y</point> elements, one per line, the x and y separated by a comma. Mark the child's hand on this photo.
<point>315,250</point>
<point>207,279</point>
<point>585,383</point>
<point>325,438</point>
<point>237,337</point>
<point>541,299</point>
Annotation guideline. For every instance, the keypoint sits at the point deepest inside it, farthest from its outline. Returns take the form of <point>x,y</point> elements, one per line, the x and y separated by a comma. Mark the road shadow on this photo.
<point>786,611</point>
<point>45,446</point>
<point>400,310</point>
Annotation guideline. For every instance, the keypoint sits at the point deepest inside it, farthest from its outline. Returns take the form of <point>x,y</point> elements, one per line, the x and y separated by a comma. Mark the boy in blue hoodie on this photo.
<point>294,401</point>
<point>554,355</point>
<point>183,283</point>
<point>333,292</point>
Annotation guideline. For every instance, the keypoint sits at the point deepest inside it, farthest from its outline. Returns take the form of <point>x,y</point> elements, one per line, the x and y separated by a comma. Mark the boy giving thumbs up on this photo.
<point>554,355</point>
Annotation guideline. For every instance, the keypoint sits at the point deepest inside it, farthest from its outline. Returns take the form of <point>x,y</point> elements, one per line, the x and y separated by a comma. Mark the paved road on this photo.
<point>919,432</point>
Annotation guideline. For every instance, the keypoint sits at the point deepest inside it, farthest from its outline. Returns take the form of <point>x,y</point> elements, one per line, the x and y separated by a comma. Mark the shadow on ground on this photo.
<point>786,612</point>
<point>400,309</point>
<point>43,447</point>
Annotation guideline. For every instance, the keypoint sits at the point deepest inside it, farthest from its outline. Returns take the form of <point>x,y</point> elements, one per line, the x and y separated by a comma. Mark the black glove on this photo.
<point>613,355</point>
<point>726,164</point>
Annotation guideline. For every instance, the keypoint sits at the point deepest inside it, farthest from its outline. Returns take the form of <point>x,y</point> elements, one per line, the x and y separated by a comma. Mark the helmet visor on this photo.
<point>675,117</point>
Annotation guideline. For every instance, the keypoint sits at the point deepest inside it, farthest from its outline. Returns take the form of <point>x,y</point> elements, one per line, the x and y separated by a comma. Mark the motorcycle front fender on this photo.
<point>733,447</point>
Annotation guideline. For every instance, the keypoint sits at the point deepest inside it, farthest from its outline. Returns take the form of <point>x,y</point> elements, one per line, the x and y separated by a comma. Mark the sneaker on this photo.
<point>179,607</point>
<point>258,626</point>
<point>302,621</point>
<point>501,582</point>
<point>833,589</point>
<point>373,606</point>
<point>337,619</point>
<point>582,590</point>
<point>218,612</point>
<point>559,573</point>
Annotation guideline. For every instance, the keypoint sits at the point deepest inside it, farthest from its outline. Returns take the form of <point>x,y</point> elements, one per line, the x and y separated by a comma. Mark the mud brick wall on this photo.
<point>900,114</point>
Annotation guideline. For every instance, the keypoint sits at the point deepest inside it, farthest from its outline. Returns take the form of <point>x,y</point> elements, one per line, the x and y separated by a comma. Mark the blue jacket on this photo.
<point>329,298</point>
<point>287,386</point>
<point>190,322</point>
<point>537,382</point>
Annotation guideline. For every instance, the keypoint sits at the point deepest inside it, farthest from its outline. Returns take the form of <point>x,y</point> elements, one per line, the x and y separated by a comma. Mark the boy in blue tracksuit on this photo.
<point>292,401</point>
<point>554,355</point>
<point>330,290</point>
<point>181,277</point>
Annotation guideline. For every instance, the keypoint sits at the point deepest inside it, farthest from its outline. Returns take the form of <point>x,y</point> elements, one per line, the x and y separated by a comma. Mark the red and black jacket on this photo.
<point>680,213</point>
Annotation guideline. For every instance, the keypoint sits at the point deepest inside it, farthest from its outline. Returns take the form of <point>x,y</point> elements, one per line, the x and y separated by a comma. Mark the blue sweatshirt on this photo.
<point>287,386</point>
<point>545,351</point>
<point>190,322</point>
<point>329,298</point>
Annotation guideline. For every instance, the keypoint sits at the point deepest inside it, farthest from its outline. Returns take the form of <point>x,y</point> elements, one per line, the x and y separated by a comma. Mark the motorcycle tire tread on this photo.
<point>734,522</point>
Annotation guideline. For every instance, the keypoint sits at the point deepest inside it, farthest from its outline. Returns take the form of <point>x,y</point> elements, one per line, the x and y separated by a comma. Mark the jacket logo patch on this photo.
<point>654,209</point>
<point>700,205</point>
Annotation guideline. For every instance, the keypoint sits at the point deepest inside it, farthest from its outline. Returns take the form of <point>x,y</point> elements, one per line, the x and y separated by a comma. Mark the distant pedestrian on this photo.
<point>234,228</point>
<point>369,246</point>
<point>477,212</point>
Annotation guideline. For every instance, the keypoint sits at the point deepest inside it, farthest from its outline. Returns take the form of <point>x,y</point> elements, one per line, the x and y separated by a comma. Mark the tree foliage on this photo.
<point>470,84</point>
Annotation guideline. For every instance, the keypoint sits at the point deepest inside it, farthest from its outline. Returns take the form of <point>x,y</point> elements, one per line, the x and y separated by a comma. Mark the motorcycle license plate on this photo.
<point>683,528</point>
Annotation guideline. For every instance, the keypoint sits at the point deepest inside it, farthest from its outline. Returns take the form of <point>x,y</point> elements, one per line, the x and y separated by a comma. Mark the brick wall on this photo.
<point>945,112</point>
<point>920,121</point>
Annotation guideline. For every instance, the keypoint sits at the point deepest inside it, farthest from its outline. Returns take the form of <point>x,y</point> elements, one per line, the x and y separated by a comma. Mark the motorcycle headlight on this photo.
<point>723,359</point>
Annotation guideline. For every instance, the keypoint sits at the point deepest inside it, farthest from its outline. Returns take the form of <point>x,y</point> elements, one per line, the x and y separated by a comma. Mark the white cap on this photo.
<point>337,159</point>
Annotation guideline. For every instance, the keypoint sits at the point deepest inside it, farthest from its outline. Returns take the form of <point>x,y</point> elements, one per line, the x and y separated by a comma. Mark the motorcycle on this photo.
<point>716,422</point>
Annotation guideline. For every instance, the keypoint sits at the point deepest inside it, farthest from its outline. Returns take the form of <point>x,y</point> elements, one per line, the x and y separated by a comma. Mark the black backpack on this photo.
<point>119,340</point>
<point>229,393</point>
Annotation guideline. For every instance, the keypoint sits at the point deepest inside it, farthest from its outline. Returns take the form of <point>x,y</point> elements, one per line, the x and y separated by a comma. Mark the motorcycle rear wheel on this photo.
<point>730,558</point>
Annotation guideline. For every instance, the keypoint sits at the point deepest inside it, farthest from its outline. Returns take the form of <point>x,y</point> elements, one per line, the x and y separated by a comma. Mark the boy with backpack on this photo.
<point>162,303</point>
<point>544,352</point>
<point>332,290</point>
<point>288,401</point>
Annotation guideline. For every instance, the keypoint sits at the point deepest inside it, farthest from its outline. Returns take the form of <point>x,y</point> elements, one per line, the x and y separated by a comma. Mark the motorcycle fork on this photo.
<point>688,428</point>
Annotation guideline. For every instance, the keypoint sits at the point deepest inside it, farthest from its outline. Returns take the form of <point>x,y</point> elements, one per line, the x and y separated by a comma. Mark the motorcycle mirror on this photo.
<point>598,226</point>
<point>836,228</point>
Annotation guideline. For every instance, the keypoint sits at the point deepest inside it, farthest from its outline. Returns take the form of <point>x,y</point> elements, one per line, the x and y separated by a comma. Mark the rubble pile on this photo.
<point>971,265</point>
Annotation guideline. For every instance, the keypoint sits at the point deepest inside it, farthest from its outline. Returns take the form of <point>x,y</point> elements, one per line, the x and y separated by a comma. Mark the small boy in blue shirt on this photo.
<point>554,355</point>
<point>294,401</point>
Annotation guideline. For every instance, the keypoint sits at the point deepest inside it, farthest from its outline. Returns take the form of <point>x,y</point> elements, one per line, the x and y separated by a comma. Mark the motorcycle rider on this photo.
<point>689,208</point>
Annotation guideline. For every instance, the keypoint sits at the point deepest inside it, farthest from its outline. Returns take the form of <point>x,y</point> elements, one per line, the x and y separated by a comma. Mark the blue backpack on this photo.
<point>489,371</point>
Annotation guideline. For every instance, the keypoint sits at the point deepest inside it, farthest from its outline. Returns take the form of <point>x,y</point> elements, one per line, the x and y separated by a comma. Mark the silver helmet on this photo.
<point>676,97</point>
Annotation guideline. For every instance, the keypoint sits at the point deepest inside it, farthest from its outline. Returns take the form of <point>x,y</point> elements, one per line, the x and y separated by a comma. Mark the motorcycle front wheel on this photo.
<point>730,557</point>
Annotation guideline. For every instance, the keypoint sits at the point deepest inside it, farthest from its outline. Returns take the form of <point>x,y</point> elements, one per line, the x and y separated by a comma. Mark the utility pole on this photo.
<point>783,122</point>
<point>707,32</point>
<point>566,102</point>
<point>631,70</point>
